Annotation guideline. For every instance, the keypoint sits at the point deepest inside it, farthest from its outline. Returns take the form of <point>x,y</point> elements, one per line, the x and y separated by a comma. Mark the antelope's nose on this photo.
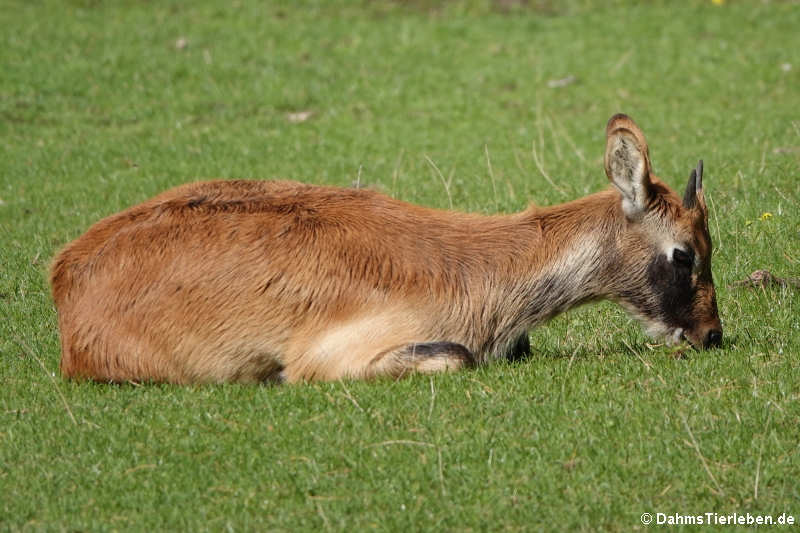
<point>713,338</point>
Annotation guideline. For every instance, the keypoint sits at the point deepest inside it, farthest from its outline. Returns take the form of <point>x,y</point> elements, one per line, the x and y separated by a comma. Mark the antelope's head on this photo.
<point>662,273</point>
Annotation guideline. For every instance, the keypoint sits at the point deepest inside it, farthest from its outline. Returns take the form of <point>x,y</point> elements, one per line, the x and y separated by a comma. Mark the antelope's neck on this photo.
<point>565,265</point>
<point>578,249</point>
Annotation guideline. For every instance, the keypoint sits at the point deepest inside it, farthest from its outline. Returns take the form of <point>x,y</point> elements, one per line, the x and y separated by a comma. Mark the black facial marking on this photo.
<point>673,288</point>
<point>683,259</point>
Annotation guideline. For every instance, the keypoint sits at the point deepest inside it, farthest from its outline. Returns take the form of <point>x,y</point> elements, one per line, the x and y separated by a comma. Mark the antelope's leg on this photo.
<point>425,357</point>
<point>521,349</point>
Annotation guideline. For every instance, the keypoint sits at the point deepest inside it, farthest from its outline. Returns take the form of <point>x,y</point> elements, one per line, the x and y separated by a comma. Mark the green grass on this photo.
<point>99,109</point>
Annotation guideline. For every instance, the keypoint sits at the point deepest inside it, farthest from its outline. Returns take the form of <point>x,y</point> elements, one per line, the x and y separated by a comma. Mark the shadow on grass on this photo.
<point>630,347</point>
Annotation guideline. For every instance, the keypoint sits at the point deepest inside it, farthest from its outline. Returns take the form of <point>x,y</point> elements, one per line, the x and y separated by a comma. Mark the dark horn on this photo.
<point>700,175</point>
<point>690,196</point>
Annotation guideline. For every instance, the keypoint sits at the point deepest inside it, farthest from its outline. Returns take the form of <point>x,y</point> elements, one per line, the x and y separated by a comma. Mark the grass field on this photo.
<point>104,104</point>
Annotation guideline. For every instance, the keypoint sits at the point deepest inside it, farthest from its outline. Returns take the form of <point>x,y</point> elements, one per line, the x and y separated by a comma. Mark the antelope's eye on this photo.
<point>683,259</point>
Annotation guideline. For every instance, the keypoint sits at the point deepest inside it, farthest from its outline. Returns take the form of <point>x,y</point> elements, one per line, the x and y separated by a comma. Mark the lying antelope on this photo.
<point>256,281</point>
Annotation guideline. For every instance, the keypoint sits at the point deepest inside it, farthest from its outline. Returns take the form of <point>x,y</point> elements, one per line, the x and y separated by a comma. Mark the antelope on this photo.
<point>277,281</point>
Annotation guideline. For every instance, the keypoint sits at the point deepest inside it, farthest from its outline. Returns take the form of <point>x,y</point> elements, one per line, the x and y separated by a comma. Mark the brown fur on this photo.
<point>256,281</point>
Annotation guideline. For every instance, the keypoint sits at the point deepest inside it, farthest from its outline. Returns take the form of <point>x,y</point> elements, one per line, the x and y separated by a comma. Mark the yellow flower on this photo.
<point>717,2</point>
<point>764,216</point>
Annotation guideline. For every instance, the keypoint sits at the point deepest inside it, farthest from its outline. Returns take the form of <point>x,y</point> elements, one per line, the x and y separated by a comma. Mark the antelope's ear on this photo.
<point>627,163</point>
